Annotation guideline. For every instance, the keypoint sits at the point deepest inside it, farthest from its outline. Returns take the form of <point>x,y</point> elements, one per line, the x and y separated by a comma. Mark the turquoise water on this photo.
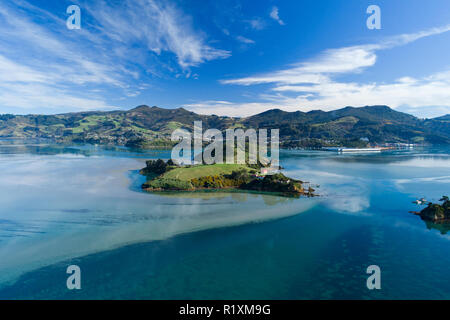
<point>63,205</point>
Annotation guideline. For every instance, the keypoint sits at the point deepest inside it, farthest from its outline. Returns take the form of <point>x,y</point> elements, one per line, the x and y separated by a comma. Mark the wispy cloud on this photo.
<point>11,72</point>
<point>30,46</point>
<point>244,40</point>
<point>28,96</point>
<point>256,23</point>
<point>334,61</point>
<point>342,60</point>
<point>275,15</point>
<point>228,108</point>
<point>41,68</point>
<point>159,25</point>
<point>120,46</point>
<point>316,86</point>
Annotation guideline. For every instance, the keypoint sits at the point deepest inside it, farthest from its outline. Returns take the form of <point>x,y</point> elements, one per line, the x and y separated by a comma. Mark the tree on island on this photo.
<point>438,213</point>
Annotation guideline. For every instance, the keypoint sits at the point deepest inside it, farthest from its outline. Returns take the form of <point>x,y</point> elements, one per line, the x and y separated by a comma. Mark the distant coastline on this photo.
<point>151,127</point>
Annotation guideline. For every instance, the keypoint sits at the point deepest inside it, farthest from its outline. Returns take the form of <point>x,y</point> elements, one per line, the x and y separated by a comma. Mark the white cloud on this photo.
<point>334,61</point>
<point>256,23</point>
<point>227,108</point>
<point>424,97</point>
<point>40,68</point>
<point>244,40</point>
<point>29,96</point>
<point>315,85</point>
<point>38,55</point>
<point>160,26</point>
<point>275,16</point>
<point>343,60</point>
<point>30,46</point>
<point>14,72</point>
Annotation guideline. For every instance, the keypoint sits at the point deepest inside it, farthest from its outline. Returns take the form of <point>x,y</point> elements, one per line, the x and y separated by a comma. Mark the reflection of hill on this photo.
<point>203,195</point>
<point>48,147</point>
<point>27,147</point>
<point>384,159</point>
<point>237,196</point>
<point>274,200</point>
<point>442,227</point>
<point>443,153</point>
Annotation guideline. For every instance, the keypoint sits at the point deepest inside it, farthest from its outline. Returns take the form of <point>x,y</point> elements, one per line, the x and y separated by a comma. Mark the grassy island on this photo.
<point>167,176</point>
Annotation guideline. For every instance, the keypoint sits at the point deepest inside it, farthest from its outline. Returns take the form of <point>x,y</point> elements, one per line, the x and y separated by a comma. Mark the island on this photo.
<point>169,176</point>
<point>436,213</point>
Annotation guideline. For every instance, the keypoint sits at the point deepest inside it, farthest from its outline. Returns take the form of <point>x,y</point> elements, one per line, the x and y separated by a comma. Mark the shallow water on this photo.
<point>82,205</point>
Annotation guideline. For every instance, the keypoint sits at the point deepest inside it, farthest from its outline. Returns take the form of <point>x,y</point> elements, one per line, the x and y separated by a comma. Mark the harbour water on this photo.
<point>82,204</point>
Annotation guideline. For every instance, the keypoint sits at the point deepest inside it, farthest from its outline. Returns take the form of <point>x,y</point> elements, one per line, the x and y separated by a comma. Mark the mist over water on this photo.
<point>83,204</point>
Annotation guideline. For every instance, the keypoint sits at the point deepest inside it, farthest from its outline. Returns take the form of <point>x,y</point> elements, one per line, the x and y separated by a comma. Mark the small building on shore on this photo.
<point>269,170</point>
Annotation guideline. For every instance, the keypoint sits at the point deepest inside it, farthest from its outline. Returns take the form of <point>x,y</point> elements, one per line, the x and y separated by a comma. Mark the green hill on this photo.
<point>152,126</point>
<point>443,118</point>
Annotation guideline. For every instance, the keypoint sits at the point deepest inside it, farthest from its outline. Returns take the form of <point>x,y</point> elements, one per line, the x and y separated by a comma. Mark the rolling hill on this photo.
<point>146,126</point>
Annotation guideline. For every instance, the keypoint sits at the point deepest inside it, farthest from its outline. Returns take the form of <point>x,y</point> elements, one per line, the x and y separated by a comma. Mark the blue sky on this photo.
<point>227,57</point>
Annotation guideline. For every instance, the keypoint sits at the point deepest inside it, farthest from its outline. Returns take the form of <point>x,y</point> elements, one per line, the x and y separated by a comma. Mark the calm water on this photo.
<point>82,205</point>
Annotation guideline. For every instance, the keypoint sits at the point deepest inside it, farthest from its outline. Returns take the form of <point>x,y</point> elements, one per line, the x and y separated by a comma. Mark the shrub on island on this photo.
<point>197,177</point>
<point>437,213</point>
<point>157,166</point>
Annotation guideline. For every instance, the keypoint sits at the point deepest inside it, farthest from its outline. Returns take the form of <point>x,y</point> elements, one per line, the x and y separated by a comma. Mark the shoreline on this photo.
<point>170,177</point>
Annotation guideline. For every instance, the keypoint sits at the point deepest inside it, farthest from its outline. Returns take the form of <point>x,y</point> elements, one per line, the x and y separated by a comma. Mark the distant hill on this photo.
<point>152,126</point>
<point>443,118</point>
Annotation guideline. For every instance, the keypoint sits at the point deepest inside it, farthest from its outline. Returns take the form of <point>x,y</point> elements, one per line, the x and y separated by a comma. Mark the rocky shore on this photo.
<point>436,213</point>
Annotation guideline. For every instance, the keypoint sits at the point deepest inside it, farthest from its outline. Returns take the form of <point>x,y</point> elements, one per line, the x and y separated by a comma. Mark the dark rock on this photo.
<point>437,213</point>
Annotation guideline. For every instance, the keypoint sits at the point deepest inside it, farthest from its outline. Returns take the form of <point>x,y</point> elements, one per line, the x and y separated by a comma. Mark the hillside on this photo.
<point>151,126</point>
<point>377,123</point>
<point>443,118</point>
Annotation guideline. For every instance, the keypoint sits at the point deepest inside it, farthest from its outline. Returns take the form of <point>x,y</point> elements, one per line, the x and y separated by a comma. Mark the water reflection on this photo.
<point>55,207</point>
<point>443,228</point>
<point>236,196</point>
<point>57,203</point>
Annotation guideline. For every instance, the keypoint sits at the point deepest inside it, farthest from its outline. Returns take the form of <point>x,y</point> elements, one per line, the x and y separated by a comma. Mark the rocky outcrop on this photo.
<point>437,213</point>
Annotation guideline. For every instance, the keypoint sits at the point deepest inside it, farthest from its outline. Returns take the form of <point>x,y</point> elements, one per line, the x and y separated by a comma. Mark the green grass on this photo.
<point>85,123</point>
<point>187,174</point>
<point>173,125</point>
<point>167,184</point>
<point>343,121</point>
<point>237,126</point>
<point>89,121</point>
<point>143,130</point>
